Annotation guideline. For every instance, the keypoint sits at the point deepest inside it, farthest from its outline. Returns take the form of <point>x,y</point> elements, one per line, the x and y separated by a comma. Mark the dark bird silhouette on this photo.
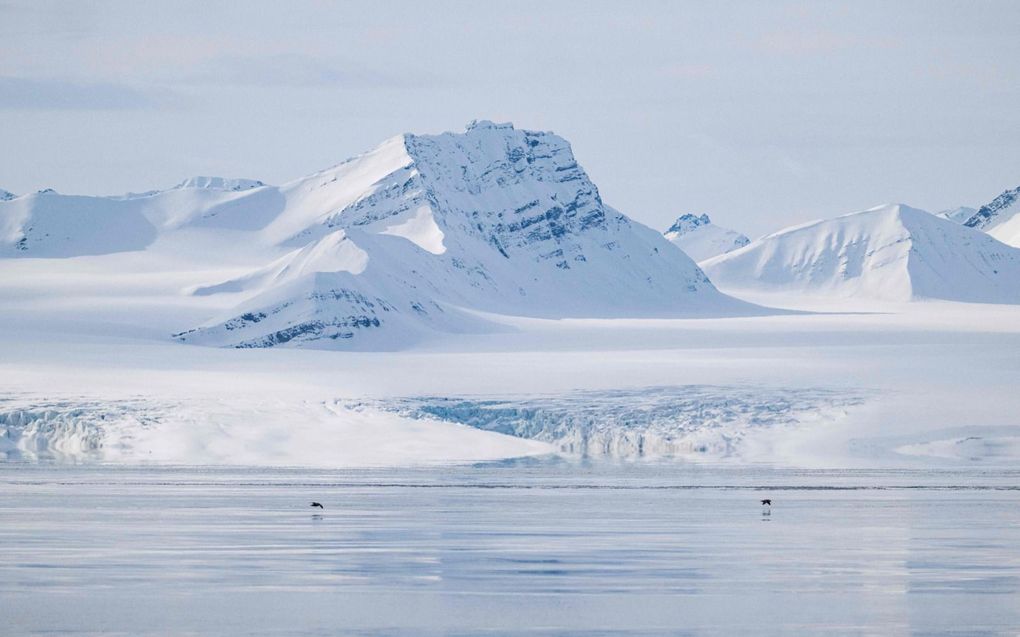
<point>766,502</point>
<point>316,504</point>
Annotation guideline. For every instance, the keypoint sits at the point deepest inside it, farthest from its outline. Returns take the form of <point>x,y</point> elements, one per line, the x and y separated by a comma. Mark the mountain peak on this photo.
<point>6,195</point>
<point>219,183</point>
<point>485,124</point>
<point>1000,217</point>
<point>494,219</point>
<point>889,208</point>
<point>986,214</point>
<point>960,214</point>
<point>688,222</point>
<point>701,239</point>
<point>891,252</point>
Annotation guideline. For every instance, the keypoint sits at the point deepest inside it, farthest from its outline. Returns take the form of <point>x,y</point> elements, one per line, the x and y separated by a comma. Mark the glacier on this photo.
<point>671,421</point>
<point>694,421</point>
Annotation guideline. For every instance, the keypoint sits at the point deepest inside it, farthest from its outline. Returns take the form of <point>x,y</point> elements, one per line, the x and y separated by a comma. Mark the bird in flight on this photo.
<point>766,502</point>
<point>316,504</point>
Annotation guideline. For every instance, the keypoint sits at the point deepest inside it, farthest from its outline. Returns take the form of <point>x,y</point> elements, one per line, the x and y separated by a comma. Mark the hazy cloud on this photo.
<point>298,70</point>
<point>818,42</point>
<point>59,94</point>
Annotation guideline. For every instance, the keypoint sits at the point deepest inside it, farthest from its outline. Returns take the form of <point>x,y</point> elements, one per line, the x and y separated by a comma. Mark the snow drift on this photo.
<point>892,252</point>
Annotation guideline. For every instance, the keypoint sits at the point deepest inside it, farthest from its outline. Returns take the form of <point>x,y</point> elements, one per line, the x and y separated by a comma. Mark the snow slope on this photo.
<point>1000,218</point>
<point>891,252</point>
<point>50,224</point>
<point>831,390</point>
<point>701,239</point>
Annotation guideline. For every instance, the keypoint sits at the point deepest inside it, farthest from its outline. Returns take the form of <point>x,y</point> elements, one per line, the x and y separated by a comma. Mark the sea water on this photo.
<point>533,548</point>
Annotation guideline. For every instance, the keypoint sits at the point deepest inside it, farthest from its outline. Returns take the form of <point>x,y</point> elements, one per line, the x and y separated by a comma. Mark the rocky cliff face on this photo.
<point>992,212</point>
<point>520,192</point>
<point>1000,217</point>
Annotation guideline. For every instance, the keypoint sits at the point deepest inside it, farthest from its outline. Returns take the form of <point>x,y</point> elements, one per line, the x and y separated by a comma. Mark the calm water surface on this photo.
<point>538,548</point>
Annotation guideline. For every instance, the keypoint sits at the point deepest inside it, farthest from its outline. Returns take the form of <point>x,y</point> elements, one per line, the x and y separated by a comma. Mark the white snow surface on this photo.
<point>421,230</point>
<point>891,252</point>
<point>87,375</point>
<point>701,239</point>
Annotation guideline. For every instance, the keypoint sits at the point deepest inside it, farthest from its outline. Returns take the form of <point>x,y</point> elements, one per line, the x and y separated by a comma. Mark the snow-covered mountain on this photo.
<point>891,252</point>
<point>959,214</point>
<point>417,235</point>
<point>423,230</point>
<point>6,196</point>
<point>701,239</point>
<point>50,224</point>
<point>220,183</point>
<point>1000,217</point>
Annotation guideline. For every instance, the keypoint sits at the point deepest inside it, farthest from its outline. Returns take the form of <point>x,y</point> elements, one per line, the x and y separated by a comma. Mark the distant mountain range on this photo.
<point>435,233</point>
<point>420,234</point>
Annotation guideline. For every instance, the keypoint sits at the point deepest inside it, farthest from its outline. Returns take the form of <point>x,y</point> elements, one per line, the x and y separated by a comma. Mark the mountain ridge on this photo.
<point>414,237</point>
<point>999,217</point>
<point>891,252</point>
<point>494,219</point>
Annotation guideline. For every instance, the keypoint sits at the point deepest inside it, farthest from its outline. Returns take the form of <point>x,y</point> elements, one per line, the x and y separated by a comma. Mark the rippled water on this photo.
<point>533,548</point>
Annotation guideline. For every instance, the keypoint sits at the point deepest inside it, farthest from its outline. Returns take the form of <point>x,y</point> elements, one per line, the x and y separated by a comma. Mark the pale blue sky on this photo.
<point>761,114</point>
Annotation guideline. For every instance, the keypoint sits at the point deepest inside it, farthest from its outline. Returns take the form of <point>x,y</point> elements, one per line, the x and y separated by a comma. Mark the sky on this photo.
<point>761,114</point>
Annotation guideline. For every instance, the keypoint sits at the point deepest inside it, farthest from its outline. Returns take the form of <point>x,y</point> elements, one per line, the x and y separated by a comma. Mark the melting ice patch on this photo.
<point>691,420</point>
